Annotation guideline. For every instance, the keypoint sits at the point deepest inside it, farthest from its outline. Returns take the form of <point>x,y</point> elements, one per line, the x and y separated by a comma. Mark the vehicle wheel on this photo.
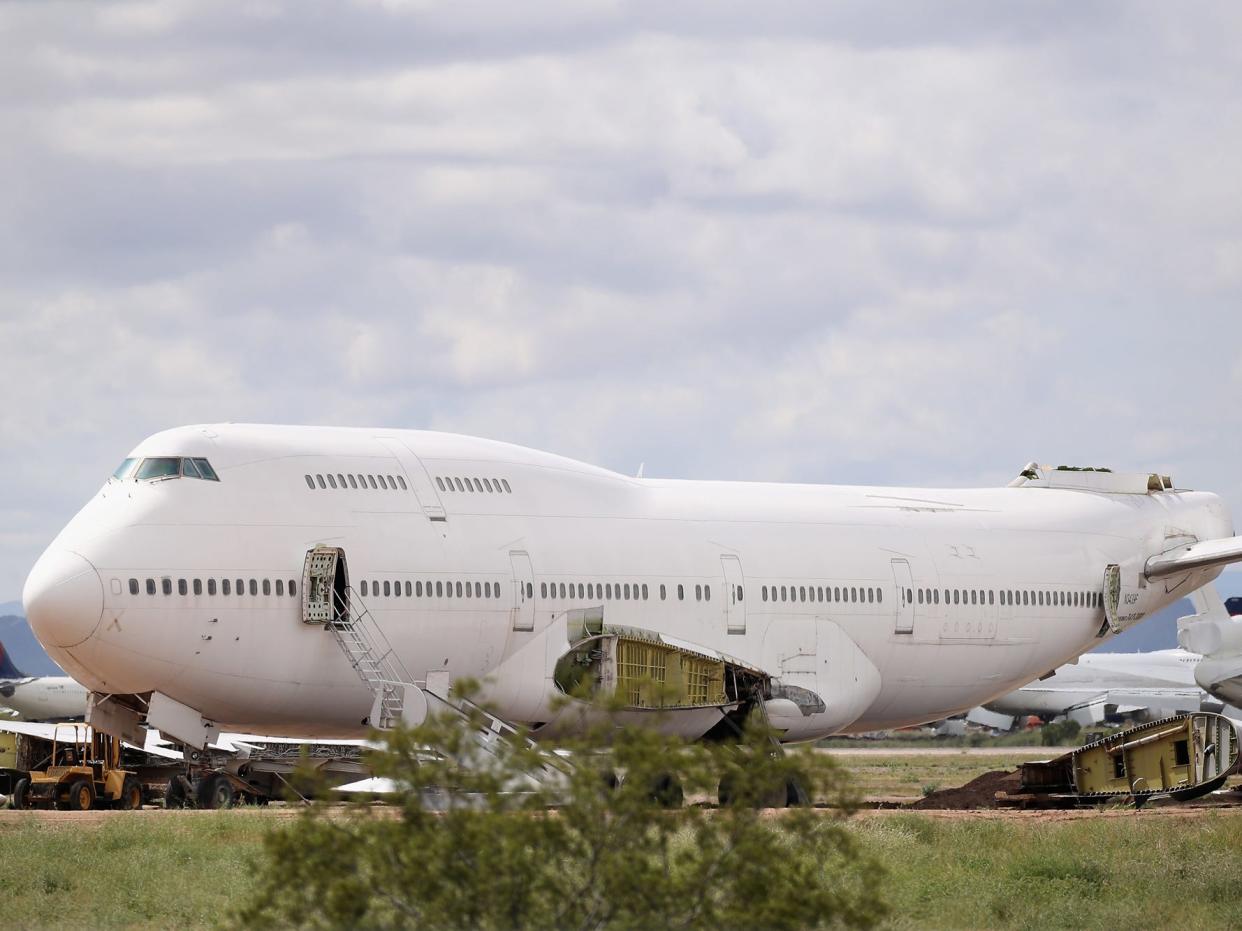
<point>20,799</point>
<point>214,792</point>
<point>131,795</point>
<point>81,796</point>
<point>174,795</point>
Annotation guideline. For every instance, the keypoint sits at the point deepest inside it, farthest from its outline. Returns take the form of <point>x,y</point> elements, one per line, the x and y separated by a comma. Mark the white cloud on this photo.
<point>809,242</point>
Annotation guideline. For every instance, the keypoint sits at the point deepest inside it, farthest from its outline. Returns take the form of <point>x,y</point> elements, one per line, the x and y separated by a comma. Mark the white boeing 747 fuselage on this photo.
<point>892,605</point>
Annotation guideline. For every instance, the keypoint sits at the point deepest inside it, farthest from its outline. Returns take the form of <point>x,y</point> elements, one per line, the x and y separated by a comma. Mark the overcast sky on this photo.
<point>905,243</point>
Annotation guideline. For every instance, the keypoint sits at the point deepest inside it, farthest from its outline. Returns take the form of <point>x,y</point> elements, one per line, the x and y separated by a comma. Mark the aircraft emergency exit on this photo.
<point>210,582</point>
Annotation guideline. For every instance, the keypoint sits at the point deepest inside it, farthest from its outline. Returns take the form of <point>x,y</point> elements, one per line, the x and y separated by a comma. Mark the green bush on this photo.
<point>1060,733</point>
<point>474,842</point>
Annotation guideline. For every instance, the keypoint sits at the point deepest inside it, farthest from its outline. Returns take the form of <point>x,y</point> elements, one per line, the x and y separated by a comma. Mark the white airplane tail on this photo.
<point>1218,637</point>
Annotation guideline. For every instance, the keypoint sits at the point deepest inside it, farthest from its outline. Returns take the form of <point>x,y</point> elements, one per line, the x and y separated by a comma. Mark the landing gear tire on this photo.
<point>729,795</point>
<point>174,795</point>
<point>215,792</point>
<point>789,795</point>
<point>131,794</point>
<point>796,795</point>
<point>20,799</point>
<point>81,796</point>
<point>666,791</point>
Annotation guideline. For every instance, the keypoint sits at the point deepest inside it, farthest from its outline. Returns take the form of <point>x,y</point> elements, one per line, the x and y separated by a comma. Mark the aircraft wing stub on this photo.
<point>1203,555</point>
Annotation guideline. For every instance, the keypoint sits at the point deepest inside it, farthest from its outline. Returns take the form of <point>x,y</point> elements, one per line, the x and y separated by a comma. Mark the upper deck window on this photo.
<point>161,467</point>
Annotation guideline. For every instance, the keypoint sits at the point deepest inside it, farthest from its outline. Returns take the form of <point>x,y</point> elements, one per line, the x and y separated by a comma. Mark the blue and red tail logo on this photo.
<point>7,669</point>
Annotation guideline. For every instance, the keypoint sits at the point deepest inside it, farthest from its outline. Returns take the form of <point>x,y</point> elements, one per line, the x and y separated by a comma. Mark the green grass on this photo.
<point>1153,869</point>
<point>1117,872</point>
<point>880,775</point>
<point>143,872</point>
<point>907,740</point>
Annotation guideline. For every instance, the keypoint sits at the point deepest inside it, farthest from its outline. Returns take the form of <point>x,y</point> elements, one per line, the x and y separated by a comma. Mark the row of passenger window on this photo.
<point>487,485</point>
<point>225,587</point>
<point>822,593</point>
<point>620,591</point>
<point>347,480</point>
<point>602,591</point>
<point>1010,597</point>
<point>430,589</point>
<point>1055,599</point>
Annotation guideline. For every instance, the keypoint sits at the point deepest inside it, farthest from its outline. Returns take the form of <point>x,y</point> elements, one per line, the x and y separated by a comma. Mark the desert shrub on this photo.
<point>1060,733</point>
<point>501,840</point>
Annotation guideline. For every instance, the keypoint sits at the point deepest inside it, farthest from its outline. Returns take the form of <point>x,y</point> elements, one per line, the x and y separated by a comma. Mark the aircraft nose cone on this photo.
<point>63,598</point>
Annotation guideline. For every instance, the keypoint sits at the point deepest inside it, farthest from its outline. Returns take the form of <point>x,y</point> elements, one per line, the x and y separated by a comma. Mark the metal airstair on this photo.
<point>330,601</point>
<point>394,689</point>
<point>372,657</point>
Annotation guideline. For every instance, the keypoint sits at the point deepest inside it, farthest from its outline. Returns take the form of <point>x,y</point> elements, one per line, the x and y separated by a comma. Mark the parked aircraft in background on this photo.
<point>39,698</point>
<point>1214,632</point>
<point>212,581</point>
<point>1100,685</point>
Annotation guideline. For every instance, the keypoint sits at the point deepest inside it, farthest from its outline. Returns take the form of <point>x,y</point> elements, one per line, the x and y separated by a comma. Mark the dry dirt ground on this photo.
<point>948,782</point>
<point>1226,803</point>
<point>881,751</point>
<point>52,818</point>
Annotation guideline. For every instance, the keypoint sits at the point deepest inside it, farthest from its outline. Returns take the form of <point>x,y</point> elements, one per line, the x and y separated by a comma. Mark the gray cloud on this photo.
<point>812,242</point>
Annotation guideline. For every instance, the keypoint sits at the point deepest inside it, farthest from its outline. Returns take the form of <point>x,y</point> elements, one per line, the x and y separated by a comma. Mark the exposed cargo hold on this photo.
<point>1181,757</point>
<point>646,670</point>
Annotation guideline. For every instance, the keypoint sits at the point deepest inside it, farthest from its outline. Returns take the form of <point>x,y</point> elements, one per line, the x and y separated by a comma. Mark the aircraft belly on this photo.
<point>1041,701</point>
<point>929,681</point>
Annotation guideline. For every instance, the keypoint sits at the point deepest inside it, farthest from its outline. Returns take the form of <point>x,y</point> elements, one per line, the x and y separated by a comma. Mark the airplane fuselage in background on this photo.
<point>44,698</point>
<point>894,605</point>
<point>1162,681</point>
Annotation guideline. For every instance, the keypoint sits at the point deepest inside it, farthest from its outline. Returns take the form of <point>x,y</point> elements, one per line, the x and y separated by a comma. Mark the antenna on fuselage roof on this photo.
<point>639,473</point>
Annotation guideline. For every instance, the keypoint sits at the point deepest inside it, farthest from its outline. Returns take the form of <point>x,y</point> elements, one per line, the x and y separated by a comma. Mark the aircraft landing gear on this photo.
<point>215,791</point>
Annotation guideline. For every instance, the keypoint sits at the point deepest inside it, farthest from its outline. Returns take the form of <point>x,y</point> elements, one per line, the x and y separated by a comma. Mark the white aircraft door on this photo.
<point>416,473</point>
<point>735,595</point>
<point>523,591</point>
<point>1004,615</point>
<point>905,597</point>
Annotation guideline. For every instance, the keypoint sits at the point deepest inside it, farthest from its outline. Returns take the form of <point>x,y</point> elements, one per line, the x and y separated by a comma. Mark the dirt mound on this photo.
<point>980,792</point>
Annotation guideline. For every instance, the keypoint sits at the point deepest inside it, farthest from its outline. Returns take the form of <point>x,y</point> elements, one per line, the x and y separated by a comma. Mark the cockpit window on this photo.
<point>125,469</point>
<point>162,467</point>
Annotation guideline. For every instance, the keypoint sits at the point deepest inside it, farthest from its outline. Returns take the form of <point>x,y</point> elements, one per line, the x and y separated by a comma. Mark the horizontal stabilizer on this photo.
<point>1205,555</point>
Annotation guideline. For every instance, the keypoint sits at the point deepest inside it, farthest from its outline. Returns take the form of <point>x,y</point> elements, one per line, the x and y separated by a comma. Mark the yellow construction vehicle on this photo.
<point>84,772</point>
